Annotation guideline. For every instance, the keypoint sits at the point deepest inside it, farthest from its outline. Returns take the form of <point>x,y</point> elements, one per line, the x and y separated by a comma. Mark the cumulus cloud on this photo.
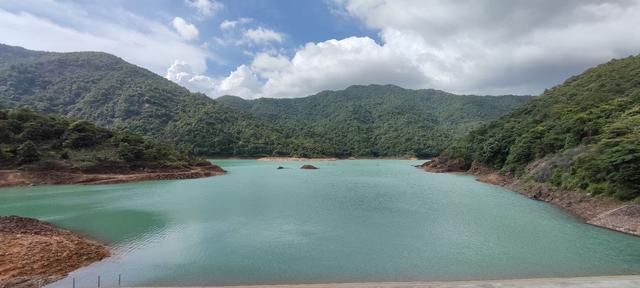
<point>66,27</point>
<point>235,33</point>
<point>242,82</point>
<point>230,24</point>
<point>484,46</point>
<point>333,64</point>
<point>262,35</point>
<point>206,8</point>
<point>336,64</point>
<point>185,29</point>
<point>467,46</point>
<point>472,46</point>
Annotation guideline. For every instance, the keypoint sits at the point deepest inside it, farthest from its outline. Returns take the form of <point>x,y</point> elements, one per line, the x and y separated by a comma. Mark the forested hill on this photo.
<point>585,134</point>
<point>378,120</point>
<point>110,92</point>
<point>32,141</point>
<point>359,121</point>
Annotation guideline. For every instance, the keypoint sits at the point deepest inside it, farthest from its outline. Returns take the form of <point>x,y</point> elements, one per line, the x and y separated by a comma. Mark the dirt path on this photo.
<point>33,252</point>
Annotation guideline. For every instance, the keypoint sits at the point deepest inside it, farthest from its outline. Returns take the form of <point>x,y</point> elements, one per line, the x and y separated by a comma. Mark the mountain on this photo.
<point>110,92</point>
<point>33,141</point>
<point>376,120</point>
<point>583,134</point>
<point>359,121</point>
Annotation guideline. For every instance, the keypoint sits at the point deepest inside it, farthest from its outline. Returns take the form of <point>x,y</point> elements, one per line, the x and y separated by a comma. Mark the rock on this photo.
<point>280,167</point>
<point>444,164</point>
<point>308,167</point>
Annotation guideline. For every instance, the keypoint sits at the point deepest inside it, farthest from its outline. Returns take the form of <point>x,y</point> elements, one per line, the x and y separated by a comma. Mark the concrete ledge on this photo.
<point>632,281</point>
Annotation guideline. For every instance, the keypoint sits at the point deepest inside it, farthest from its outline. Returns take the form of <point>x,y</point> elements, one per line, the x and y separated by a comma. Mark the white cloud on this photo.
<point>206,8</point>
<point>242,82</point>
<point>230,24</point>
<point>262,35</point>
<point>268,66</point>
<point>41,25</point>
<point>480,46</point>
<point>336,64</point>
<point>185,29</point>
<point>472,46</point>
<point>333,64</point>
<point>234,33</point>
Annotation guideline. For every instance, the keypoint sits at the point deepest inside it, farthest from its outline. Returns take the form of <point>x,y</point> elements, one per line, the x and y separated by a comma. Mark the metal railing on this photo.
<point>98,283</point>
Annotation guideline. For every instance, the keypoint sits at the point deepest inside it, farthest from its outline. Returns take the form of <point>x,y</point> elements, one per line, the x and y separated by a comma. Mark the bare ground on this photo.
<point>27,178</point>
<point>295,159</point>
<point>34,252</point>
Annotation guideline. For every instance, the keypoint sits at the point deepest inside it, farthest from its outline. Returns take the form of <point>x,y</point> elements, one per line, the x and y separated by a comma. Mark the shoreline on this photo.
<point>314,159</point>
<point>613,281</point>
<point>13,178</point>
<point>295,159</point>
<point>37,253</point>
<point>604,212</point>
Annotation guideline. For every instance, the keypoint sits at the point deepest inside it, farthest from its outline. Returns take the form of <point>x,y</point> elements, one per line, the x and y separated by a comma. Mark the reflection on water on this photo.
<point>116,227</point>
<point>364,220</point>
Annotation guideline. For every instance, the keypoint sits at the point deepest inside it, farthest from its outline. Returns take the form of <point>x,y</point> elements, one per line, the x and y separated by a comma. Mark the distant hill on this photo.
<point>376,120</point>
<point>32,141</point>
<point>583,134</point>
<point>359,121</point>
<point>110,92</point>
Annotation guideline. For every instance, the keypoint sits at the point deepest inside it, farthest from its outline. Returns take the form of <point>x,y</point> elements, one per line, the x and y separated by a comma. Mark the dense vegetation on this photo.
<point>110,92</point>
<point>375,120</point>
<point>359,121</point>
<point>34,141</point>
<point>586,131</point>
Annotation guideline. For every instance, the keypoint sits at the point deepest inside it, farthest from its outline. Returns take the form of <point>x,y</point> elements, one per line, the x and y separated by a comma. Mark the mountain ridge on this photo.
<point>108,91</point>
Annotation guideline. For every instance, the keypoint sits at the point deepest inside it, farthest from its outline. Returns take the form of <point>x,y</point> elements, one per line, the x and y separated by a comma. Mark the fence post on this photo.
<point>73,282</point>
<point>98,281</point>
<point>119,280</point>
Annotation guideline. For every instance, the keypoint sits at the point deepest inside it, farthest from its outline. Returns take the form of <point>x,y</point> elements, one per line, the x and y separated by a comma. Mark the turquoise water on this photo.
<point>352,220</point>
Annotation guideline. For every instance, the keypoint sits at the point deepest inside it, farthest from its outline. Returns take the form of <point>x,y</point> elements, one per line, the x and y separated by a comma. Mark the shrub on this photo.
<point>28,153</point>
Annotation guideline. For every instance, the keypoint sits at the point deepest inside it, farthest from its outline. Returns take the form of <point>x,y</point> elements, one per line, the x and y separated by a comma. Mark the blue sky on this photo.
<point>287,48</point>
<point>299,21</point>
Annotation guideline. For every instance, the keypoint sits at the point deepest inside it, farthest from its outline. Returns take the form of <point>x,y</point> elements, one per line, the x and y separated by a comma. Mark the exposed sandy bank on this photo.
<point>599,211</point>
<point>34,252</point>
<point>295,159</point>
<point>27,178</point>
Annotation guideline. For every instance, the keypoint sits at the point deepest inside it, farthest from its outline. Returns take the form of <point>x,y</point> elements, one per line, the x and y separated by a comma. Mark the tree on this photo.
<point>28,153</point>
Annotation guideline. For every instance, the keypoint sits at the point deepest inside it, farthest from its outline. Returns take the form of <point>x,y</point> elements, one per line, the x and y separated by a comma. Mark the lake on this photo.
<point>349,221</point>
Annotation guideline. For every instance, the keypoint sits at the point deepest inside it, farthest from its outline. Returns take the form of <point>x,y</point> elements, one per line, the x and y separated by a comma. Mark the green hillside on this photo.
<point>34,141</point>
<point>110,92</point>
<point>376,120</point>
<point>586,131</point>
<point>359,121</point>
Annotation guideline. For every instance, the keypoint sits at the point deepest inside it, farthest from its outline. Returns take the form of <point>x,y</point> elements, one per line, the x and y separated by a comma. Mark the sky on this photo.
<point>292,48</point>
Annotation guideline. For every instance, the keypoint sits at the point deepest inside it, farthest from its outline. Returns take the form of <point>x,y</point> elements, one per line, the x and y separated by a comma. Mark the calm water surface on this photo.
<point>352,220</point>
